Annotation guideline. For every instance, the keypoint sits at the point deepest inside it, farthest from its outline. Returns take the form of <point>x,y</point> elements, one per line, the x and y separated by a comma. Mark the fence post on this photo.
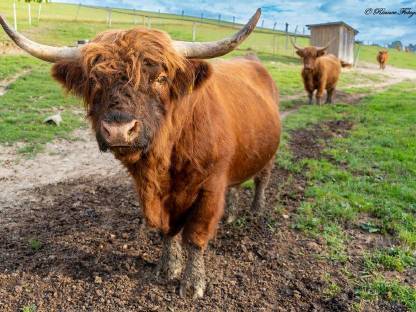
<point>79,7</point>
<point>274,26</point>
<point>39,9</point>
<point>193,32</point>
<point>287,35</point>
<point>219,18</point>
<point>356,56</point>
<point>134,17</point>
<point>274,44</point>
<point>262,23</point>
<point>149,22</point>
<point>14,15</point>
<point>233,20</point>
<point>109,17</point>
<point>202,16</point>
<point>29,14</point>
<point>183,12</point>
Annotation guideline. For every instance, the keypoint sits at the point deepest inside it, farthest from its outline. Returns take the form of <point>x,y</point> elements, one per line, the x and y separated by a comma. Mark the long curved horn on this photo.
<point>295,45</point>
<point>43,52</point>
<point>212,49</point>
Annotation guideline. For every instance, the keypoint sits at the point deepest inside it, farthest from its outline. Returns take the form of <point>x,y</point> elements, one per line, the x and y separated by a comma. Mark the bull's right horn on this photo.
<point>40,51</point>
<point>203,50</point>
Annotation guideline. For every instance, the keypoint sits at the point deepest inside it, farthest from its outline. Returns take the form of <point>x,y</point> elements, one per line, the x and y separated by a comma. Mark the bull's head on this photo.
<point>130,79</point>
<point>310,54</point>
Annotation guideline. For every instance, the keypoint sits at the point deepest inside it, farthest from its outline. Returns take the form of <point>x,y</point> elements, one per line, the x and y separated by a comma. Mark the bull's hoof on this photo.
<point>257,204</point>
<point>192,288</point>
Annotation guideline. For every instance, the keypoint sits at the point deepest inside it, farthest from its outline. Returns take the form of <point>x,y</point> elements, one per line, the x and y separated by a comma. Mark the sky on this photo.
<point>364,15</point>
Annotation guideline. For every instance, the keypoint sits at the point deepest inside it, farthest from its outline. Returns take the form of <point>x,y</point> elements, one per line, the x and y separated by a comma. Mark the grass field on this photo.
<point>365,182</point>
<point>28,101</point>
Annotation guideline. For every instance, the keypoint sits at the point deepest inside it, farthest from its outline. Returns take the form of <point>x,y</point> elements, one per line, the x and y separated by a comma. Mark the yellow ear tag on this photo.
<point>191,87</point>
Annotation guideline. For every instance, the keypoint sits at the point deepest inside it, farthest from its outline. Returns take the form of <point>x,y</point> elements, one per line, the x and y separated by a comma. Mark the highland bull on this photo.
<point>382,58</point>
<point>185,129</point>
<point>320,72</point>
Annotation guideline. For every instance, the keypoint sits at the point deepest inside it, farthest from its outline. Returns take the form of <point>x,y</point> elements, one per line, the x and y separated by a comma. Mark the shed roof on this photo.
<point>333,24</point>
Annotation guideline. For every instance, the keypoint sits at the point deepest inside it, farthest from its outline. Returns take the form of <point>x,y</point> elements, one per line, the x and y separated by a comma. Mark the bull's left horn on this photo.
<point>43,52</point>
<point>212,49</point>
<point>295,45</point>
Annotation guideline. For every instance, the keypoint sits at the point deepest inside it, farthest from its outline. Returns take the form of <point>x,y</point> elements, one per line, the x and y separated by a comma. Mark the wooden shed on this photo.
<point>343,36</point>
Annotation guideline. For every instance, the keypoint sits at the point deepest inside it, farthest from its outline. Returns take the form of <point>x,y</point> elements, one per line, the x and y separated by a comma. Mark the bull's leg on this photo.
<point>310,97</point>
<point>231,204</point>
<point>320,91</point>
<point>261,180</point>
<point>170,264</point>
<point>198,230</point>
<point>330,95</point>
<point>193,282</point>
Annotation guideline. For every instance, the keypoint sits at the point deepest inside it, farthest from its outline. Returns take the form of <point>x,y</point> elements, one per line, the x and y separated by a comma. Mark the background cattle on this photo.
<point>382,58</point>
<point>320,72</point>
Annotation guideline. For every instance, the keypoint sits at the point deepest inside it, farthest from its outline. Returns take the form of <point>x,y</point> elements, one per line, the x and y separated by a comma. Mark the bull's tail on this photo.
<point>345,64</point>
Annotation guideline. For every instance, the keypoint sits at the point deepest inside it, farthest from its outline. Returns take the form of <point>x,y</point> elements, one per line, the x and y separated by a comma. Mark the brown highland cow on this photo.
<point>185,129</point>
<point>320,72</point>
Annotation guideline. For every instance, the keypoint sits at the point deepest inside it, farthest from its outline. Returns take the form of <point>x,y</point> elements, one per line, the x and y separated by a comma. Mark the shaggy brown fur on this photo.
<point>382,58</point>
<point>203,127</point>
<point>320,72</point>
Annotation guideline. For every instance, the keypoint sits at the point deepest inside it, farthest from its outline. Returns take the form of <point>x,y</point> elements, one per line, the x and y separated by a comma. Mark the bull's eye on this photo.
<point>161,79</point>
<point>148,63</point>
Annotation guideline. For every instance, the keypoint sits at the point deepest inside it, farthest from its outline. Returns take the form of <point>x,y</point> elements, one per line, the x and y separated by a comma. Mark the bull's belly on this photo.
<point>248,163</point>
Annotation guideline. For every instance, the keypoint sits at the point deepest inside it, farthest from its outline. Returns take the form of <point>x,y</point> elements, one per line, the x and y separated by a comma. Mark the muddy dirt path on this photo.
<point>81,245</point>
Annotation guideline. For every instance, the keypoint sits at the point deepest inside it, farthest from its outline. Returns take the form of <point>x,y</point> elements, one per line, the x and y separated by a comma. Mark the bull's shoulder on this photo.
<point>328,60</point>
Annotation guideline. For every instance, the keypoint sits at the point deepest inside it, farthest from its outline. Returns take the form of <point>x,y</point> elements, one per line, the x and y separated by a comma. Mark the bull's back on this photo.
<point>249,98</point>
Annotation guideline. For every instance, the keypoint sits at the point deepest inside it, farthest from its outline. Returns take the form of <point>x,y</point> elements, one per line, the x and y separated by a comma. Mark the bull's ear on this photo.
<point>321,52</point>
<point>300,53</point>
<point>195,74</point>
<point>70,75</point>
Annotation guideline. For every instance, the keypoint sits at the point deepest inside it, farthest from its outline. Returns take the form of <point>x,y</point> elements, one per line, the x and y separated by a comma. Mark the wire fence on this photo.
<point>28,16</point>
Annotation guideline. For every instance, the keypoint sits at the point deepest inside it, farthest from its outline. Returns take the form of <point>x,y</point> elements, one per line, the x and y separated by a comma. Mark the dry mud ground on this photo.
<point>72,239</point>
<point>92,251</point>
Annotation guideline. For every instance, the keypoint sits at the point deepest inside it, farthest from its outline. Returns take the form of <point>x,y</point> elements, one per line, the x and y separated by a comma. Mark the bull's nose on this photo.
<point>120,134</point>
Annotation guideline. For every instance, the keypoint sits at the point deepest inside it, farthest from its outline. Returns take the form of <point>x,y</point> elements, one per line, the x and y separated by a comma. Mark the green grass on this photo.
<point>29,100</point>
<point>377,180</point>
<point>396,58</point>
<point>389,290</point>
<point>392,259</point>
<point>29,308</point>
<point>35,244</point>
